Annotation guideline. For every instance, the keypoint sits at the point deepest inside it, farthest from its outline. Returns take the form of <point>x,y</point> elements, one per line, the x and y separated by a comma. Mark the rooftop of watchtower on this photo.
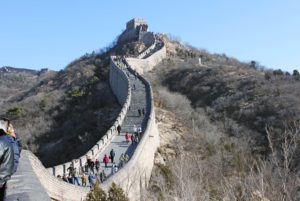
<point>133,23</point>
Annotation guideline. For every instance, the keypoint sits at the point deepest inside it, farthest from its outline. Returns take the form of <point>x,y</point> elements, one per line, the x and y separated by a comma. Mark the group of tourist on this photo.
<point>135,136</point>
<point>141,112</point>
<point>92,172</point>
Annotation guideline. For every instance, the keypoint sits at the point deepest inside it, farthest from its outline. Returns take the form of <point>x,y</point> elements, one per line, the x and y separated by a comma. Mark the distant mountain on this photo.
<point>7,69</point>
<point>16,81</point>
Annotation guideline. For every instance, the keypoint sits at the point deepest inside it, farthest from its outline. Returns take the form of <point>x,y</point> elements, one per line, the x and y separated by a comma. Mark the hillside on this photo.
<point>15,81</point>
<point>53,112</point>
<point>224,125</point>
<point>59,115</point>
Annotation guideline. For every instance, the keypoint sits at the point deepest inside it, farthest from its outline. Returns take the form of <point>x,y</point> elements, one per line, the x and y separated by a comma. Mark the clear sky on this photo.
<point>39,34</point>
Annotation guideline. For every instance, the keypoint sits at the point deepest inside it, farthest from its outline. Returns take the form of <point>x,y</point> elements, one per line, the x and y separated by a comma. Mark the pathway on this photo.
<point>24,184</point>
<point>119,144</point>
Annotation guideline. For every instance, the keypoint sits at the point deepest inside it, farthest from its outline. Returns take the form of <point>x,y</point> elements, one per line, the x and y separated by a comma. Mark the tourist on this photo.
<point>136,139</point>
<point>119,129</point>
<point>89,162</point>
<point>139,132</point>
<point>70,169</point>
<point>75,177</point>
<point>121,163</point>
<point>92,167</point>
<point>127,137</point>
<point>7,162</point>
<point>140,112</point>
<point>83,179</point>
<point>114,169</point>
<point>126,158</point>
<point>132,138</point>
<point>143,111</point>
<point>86,167</point>
<point>59,177</point>
<point>112,155</point>
<point>134,129</point>
<point>91,179</point>
<point>105,160</point>
<point>97,164</point>
<point>102,176</point>
<point>64,178</point>
<point>70,179</point>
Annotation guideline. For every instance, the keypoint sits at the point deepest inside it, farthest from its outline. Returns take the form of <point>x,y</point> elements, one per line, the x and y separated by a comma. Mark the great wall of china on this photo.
<point>34,182</point>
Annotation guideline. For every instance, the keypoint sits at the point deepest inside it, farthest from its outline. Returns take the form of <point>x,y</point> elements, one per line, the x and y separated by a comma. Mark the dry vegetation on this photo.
<point>59,115</point>
<point>233,131</point>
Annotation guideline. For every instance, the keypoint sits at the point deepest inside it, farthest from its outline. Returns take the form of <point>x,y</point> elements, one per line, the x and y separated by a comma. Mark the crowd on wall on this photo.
<point>92,171</point>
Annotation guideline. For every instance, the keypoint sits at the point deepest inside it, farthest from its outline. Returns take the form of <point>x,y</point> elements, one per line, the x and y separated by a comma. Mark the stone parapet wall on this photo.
<point>56,189</point>
<point>145,65</point>
<point>136,173</point>
<point>128,35</point>
<point>149,39</point>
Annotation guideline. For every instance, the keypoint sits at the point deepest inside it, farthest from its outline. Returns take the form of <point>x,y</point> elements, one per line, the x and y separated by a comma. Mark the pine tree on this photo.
<point>116,193</point>
<point>96,194</point>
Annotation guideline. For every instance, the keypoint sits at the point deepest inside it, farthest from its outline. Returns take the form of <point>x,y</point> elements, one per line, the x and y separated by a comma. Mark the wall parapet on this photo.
<point>148,62</point>
<point>56,188</point>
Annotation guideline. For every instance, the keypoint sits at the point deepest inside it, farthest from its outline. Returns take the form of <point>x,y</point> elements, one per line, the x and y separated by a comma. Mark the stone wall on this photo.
<point>56,189</point>
<point>136,173</point>
<point>144,65</point>
<point>148,39</point>
<point>128,35</point>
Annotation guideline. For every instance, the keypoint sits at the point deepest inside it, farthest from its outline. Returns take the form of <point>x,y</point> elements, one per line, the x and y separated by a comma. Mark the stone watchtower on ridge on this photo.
<point>135,30</point>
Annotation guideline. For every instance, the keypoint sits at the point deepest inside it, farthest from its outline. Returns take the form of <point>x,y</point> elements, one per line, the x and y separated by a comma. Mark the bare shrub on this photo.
<point>175,102</point>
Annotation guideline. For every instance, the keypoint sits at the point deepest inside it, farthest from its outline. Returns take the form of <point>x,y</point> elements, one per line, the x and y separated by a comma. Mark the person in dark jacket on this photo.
<point>15,142</point>
<point>119,129</point>
<point>11,137</point>
<point>112,155</point>
<point>6,162</point>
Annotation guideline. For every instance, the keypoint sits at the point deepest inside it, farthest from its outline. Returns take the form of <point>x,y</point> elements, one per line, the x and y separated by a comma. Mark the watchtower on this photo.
<point>135,30</point>
<point>135,23</point>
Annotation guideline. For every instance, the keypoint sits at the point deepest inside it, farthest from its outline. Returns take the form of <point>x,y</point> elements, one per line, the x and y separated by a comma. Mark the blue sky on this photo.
<point>39,34</point>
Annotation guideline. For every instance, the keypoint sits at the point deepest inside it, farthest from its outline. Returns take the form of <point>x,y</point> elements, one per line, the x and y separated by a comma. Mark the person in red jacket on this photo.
<point>127,137</point>
<point>105,160</point>
<point>132,138</point>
